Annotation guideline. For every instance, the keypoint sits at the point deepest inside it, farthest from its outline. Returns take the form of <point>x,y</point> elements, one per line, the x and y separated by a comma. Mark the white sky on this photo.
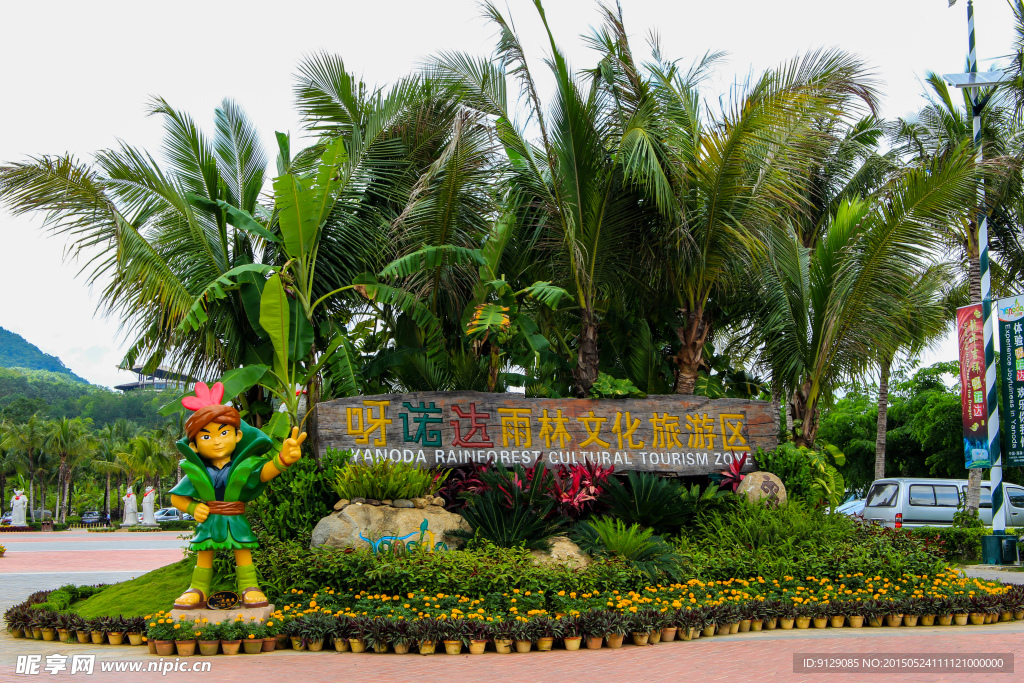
<point>77,76</point>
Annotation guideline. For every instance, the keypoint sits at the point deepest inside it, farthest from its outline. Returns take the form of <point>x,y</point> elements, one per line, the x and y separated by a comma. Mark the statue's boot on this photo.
<point>248,587</point>
<point>198,590</point>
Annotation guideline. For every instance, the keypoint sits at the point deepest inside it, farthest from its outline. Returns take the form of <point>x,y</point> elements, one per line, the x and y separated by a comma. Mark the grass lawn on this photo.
<point>144,594</point>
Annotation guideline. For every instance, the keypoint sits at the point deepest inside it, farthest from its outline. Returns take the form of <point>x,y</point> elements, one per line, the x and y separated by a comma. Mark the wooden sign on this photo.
<point>222,600</point>
<point>681,435</point>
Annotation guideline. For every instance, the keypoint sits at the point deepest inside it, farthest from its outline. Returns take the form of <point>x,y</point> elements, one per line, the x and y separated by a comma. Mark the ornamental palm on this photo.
<point>69,440</point>
<point>826,311</point>
<point>28,441</point>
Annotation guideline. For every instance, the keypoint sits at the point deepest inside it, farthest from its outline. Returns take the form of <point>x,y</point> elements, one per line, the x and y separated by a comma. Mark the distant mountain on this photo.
<point>15,352</point>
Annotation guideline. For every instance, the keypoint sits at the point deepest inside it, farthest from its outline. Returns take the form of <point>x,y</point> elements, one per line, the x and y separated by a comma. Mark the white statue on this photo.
<point>18,505</point>
<point>148,499</point>
<point>131,509</point>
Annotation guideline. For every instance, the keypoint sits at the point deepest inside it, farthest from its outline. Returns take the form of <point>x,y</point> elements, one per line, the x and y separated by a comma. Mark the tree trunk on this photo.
<point>690,357</point>
<point>777,404</point>
<point>62,476</point>
<point>805,410</point>
<point>883,411</point>
<point>68,488</point>
<point>106,497</point>
<point>974,277</point>
<point>587,361</point>
<point>31,482</point>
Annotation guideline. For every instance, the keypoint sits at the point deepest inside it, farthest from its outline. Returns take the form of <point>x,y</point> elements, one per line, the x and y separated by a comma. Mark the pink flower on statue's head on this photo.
<point>205,396</point>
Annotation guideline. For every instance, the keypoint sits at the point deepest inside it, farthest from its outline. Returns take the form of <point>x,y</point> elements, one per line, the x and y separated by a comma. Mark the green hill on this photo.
<point>16,352</point>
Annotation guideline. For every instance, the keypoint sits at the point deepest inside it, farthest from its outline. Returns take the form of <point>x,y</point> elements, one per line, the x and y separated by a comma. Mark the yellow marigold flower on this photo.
<point>177,626</point>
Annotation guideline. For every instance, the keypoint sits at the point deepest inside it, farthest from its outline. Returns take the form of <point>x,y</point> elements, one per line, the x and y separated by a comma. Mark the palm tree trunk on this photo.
<point>974,281</point>
<point>587,362</point>
<point>883,411</point>
<point>777,403</point>
<point>68,484</point>
<point>691,350</point>
<point>805,410</point>
<point>106,497</point>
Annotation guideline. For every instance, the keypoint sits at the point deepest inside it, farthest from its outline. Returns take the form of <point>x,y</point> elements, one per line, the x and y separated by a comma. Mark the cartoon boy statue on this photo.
<point>225,466</point>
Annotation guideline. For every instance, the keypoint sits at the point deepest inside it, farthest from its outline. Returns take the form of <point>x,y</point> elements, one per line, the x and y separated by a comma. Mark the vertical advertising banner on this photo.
<point>971,338</point>
<point>1011,367</point>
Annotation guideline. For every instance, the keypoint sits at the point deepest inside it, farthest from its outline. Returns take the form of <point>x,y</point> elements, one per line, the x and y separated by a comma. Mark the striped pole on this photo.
<point>996,475</point>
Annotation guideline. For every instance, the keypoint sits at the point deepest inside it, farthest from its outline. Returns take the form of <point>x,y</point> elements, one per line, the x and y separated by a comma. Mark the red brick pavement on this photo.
<point>745,657</point>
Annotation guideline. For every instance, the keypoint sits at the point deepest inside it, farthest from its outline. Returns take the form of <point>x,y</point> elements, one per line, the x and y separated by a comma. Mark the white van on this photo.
<point>911,502</point>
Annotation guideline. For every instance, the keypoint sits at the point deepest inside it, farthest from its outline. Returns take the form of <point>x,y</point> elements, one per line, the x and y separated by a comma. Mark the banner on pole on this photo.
<point>1011,367</point>
<point>973,392</point>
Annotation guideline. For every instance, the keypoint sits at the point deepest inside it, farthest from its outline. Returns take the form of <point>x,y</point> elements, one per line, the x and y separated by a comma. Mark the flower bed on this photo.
<point>524,619</point>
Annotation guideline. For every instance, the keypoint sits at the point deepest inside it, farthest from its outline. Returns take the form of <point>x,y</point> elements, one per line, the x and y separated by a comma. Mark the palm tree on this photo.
<point>156,237</point>
<point>69,440</point>
<point>826,311</point>
<point>28,441</point>
<point>112,440</point>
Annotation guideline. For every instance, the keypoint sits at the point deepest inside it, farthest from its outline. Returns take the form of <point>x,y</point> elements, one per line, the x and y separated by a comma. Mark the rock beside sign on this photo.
<point>358,525</point>
<point>563,551</point>
<point>762,486</point>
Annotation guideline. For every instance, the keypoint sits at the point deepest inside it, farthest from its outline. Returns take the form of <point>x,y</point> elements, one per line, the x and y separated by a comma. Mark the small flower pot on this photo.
<point>185,648</point>
<point>477,647</point>
<point>771,624</point>
<point>960,619</point>
<point>786,622</point>
<point>572,643</point>
<point>299,644</point>
<point>115,638</point>
<point>977,618</point>
<point>208,648</point>
<point>49,634</point>
<point>317,645</point>
<point>545,644</point>
<point>1018,614</point>
<point>524,645</point>
<point>820,622</point>
<point>269,644</point>
<point>756,625</point>
<point>427,647</point>
<point>803,622</point>
<point>875,622</point>
<point>687,634</point>
<point>593,642</point>
<point>837,621</point>
<point>357,644</point>
<point>16,633</point>
<point>341,644</point>
<point>135,638</point>
<point>856,621</point>
<point>614,640</point>
<point>709,630</point>
<point>230,647</point>
<point>165,648</point>
<point>945,619</point>
<point>453,647</point>
<point>379,648</point>
<point>734,627</point>
<point>98,637</point>
<point>745,625</point>
<point>282,641</point>
<point>668,634</point>
<point>403,648</point>
<point>502,646</point>
<point>252,646</point>
<point>1006,616</point>
<point>37,633</point>
<point>992,618</point>
<point>62,635</point>
<point>893,620</point>
<point>83,637</point>
<point>910,620</point>
<point>640,638</point>
<point>926,620</point>
<point>150,644</point>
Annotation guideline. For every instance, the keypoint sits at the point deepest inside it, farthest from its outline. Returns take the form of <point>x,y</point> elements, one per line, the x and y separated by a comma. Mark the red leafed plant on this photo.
<point>732,477</point>
<point>576,488</point>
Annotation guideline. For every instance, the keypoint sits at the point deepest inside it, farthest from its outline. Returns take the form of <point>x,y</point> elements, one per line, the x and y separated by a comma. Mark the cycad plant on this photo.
<point>637,545</point>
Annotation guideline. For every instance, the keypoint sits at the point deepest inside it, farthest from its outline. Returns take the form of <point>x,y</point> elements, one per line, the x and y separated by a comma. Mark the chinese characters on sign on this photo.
<point>671,434</point>
<point>1011,351</point>
<point>973,392</point>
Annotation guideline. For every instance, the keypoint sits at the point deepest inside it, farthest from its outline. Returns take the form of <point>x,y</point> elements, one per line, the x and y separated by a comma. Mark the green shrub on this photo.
<point>958,544</point>
<point>648,500</point>
<point>387,480</point>
<point>640,547</point>
<point>294,502</point>
<point>809,475</point>
<point>177,525</point>
<point>507,526</point>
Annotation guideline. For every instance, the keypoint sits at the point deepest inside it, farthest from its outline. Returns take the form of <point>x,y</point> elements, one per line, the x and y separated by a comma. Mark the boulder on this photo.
<point>402,503</point>
<point>763,486</point>
<point>342,529</point>
<point>438,500</point>
<point>420,502</point>
<point>342,502</point>
<point>563,551</point>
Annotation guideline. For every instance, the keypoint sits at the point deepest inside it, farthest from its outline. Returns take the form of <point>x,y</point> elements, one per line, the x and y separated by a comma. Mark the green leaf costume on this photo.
<point>247,460</point>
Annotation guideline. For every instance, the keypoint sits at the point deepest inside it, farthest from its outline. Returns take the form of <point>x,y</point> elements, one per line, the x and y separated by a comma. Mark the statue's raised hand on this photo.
<point>290,450</point>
